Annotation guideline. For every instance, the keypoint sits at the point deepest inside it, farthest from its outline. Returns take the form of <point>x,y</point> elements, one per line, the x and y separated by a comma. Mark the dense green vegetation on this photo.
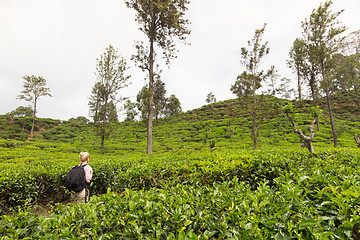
<point>184,190</point>
<point>186,193</point>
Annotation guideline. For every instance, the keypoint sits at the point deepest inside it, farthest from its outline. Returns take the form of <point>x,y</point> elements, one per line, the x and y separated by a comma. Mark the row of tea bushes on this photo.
<point>34,174</point>
<point>226,210</point>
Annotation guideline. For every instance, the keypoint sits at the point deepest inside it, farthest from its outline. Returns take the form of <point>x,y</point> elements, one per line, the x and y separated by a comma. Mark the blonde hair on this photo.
<point>84,156</point>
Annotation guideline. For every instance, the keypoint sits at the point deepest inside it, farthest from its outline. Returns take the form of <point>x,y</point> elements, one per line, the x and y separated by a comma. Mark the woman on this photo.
<point>83,195</point>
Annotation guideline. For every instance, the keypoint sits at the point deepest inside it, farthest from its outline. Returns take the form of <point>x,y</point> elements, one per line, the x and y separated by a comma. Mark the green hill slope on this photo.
<point>225,124</point>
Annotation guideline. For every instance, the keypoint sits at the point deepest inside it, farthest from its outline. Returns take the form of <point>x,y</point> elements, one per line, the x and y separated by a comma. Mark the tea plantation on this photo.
<point>184,190</point>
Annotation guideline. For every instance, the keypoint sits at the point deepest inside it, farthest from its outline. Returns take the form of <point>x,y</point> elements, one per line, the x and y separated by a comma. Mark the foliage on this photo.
<point>21,112</point>
<point>79,120</point>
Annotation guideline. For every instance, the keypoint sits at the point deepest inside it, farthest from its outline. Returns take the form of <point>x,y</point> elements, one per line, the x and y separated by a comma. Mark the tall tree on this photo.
<point>297,60</point>
<point>111,77</point>
<point>303,64</point>
<point>161,21</point>
<point>250,80</point>
<point>351,63</point>
<point>322,33</point>
<point>34,88</point>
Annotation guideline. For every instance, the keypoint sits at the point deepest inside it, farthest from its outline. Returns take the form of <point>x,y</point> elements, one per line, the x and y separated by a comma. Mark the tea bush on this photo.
<point>228,209</point>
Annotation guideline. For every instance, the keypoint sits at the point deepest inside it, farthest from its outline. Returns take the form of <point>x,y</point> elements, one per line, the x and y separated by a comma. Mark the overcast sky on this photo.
<point>60,40</point>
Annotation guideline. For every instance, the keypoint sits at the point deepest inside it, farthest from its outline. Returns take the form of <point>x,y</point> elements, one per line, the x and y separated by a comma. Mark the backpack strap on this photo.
<point>86,184</point>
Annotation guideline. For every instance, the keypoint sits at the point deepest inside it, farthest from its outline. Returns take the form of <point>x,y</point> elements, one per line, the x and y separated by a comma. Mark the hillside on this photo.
<point>183,189</point>
<point>225,124</point>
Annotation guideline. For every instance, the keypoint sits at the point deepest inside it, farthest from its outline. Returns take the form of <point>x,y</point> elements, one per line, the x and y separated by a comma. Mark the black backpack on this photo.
<point>75,179</point>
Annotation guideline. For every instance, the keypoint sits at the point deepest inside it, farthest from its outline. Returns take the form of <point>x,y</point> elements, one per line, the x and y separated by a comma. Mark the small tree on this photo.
<point>173,106</point>
<point>130,110</point>
<point>34,88</point>
<point>307,140</point>
<point>142,99</point>
<point>79,120</point>
<point>159,97</point>
<point>250,80</point>
<point>111,68</point>
<point>210,98</point>
<point>21,112</point>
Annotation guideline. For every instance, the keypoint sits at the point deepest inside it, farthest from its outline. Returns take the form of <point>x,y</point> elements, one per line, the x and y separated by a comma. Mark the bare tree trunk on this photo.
<point>356,94</point>
<point>231,131</point>
<point>299,84</point>
<point>313,94</point>
<point>329,108</point>
<point>318,123</point>
<point>306,139</point>
<point>317,117</point>
<point>33,121</point>
<point>255,140</point>
<point>254,118</point>
<point>331,119</point>
<point>151,98</point>
<point>357,140</point>
<point>103,130</point>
